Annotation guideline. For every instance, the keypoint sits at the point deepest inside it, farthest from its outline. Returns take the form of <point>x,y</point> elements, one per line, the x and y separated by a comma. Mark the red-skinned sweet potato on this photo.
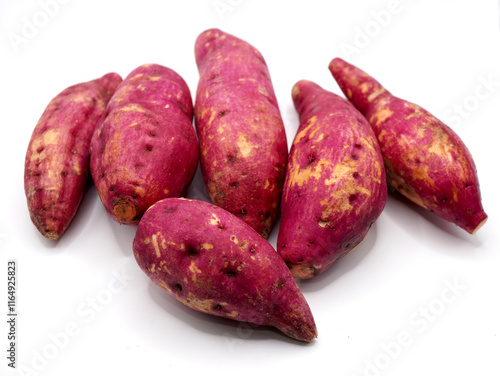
<point>145,148</point>
<point>335,185</point>
<point>425,160</point>
<point>242,137</point>
<point>215,263</point>
<point>57,160</point>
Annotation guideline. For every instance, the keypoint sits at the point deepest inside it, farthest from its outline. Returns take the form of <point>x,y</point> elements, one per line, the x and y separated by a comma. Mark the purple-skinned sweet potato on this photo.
<point>57,160</point>
<point>145,148</point>
<point>214,262</point>
<point>243,146</point>
<point>335,186</point>
<point>425,160</point>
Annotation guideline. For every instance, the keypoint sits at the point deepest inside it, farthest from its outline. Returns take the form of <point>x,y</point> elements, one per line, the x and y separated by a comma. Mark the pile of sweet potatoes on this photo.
<point>136,139</point>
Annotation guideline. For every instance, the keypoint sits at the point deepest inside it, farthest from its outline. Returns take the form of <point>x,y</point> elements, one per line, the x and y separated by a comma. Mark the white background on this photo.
<point>387,308</point>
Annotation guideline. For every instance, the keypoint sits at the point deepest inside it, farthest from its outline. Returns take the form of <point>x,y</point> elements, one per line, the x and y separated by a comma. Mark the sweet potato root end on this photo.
<point>480,224</point>
<point>52,235</point>
<point>124,210</point>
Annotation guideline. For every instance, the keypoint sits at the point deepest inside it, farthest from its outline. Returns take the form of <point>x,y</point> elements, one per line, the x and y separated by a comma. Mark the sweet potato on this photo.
<point>145,148</point>
<point>425,160</point>
<point>57,160</point>
<point>335,185</point>
<point>215,263</point>
<point>242,137</point>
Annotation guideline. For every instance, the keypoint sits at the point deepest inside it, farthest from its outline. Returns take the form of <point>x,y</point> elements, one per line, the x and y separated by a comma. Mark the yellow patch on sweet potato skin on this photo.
<point>212,117</point>
<point>245,147</point>
<point>364,87</point>
<point>339,172</point>
<point>375,94</point>
<point>215,221</point>
<point>164,286</point>
<point>157,240</point>
<point>303,132</point>
<point>301,175</point>
<point>132,107</point>
<point>50,137</point>
<point>207,246</point>
<point>203,305</point>
<point>381,115</point>
<point>339,202</point>
<point>194,271</point>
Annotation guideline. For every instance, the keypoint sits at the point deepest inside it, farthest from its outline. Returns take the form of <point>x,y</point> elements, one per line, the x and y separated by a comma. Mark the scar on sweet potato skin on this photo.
<point>426,161</point>
<point>57,159</point>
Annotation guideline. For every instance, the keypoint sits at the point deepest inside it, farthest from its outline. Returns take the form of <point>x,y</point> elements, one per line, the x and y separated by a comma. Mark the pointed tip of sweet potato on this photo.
<point>478,226</point>
<point>52,235</point>
<point>304,331</point>
<point>336,63</point>
<point>306,334</point>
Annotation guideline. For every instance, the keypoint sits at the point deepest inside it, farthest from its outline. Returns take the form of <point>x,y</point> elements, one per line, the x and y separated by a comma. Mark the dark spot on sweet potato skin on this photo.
<point>231,273</point>
<point>181,106</point>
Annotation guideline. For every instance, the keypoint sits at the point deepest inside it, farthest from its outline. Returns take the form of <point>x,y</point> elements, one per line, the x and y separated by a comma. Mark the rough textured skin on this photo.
<point>57,160</point>
<point>242,137</point>
<point>425,160</point>
<point>335,185</point>
<point>145,149</point>
<point>213,262</point>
